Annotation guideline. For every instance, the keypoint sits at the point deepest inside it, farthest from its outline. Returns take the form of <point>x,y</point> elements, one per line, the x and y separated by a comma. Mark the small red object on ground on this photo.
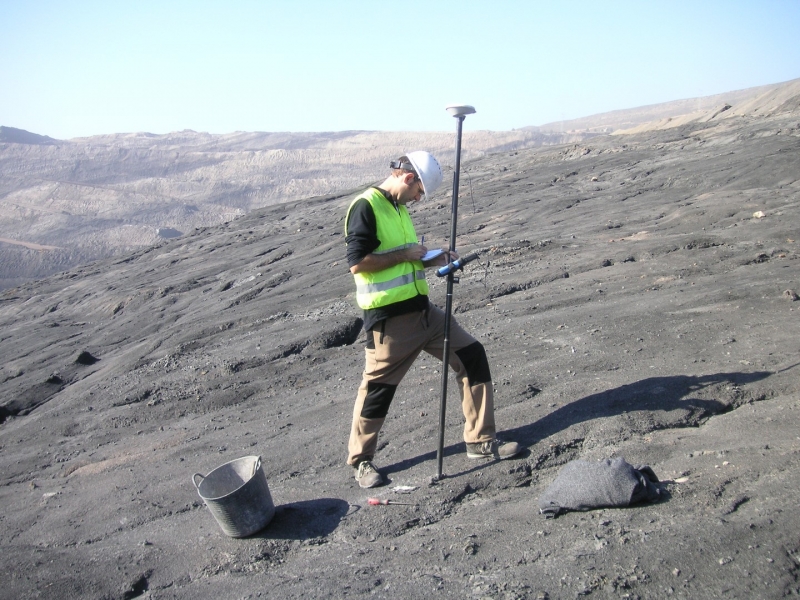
<point>378,501</point>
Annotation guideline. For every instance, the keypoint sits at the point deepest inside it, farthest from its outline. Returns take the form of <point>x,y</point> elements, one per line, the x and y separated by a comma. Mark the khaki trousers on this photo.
<point>396,347</point>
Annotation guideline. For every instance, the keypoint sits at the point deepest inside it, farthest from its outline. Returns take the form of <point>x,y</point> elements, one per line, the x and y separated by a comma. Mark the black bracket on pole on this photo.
<point>459,112</point>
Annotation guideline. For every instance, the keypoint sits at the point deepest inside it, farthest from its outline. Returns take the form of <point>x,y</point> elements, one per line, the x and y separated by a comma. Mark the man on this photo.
<point>386,262</point>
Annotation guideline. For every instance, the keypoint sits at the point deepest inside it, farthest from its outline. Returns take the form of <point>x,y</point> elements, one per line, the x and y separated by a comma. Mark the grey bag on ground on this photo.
<point>583,485</point>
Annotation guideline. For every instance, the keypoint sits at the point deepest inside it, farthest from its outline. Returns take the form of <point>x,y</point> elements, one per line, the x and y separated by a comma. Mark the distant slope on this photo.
<point>758,102</point>
<point>98,196</point>
<point>633,117</point>
<point>12,135</point>
<point>95,197</point>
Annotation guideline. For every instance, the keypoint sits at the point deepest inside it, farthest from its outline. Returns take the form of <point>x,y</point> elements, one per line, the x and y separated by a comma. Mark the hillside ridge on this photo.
<point>67,203</point>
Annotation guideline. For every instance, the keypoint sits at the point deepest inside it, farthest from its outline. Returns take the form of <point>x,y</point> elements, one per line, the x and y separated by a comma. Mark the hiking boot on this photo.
<point>493,449</point>
<point>367,475</point>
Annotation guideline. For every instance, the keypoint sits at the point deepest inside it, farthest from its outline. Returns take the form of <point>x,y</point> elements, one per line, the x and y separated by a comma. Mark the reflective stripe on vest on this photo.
<point>395,232</point>
<point>372,288</point>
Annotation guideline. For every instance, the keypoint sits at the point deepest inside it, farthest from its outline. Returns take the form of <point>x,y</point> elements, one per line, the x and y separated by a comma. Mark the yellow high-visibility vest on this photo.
<point>395,232</point>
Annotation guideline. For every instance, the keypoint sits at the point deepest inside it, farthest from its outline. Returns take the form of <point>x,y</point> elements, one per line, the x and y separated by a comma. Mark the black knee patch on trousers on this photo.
<point>476,363</point>
<point>379,397</point>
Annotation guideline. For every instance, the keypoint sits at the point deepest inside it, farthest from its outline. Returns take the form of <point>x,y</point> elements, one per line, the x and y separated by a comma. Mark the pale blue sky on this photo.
<point>81,67</point>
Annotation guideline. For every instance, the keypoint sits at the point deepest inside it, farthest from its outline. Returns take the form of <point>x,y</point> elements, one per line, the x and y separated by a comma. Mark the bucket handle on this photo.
<point>256,467</point>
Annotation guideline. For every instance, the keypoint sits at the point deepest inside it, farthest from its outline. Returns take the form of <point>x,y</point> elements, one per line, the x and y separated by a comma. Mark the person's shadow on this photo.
<point>665,394</point>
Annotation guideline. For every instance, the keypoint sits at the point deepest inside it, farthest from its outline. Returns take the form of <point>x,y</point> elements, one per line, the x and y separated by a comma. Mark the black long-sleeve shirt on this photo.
<point>362,239</point>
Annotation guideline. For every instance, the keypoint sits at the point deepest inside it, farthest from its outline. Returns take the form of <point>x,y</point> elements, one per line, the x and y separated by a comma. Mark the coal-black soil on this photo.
<point>636,295</point>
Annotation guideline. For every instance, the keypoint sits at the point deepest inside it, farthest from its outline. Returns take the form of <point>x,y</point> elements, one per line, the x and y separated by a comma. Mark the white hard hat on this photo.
<point>428,170</point>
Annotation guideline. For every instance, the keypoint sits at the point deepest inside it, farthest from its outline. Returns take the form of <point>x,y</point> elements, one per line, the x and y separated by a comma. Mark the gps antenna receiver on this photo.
<point>460,110</point>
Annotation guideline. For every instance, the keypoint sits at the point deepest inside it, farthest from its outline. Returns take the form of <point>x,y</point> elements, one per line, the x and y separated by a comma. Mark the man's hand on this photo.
<point>416,252</point>
<point>444,258</point>
<point>378,262</point>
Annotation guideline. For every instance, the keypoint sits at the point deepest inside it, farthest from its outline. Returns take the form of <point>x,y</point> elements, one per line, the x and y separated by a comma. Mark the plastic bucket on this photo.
<point>238,496</point>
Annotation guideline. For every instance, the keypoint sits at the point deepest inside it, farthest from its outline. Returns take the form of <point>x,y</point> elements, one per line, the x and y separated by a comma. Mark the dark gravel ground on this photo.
<point>636,296</point>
